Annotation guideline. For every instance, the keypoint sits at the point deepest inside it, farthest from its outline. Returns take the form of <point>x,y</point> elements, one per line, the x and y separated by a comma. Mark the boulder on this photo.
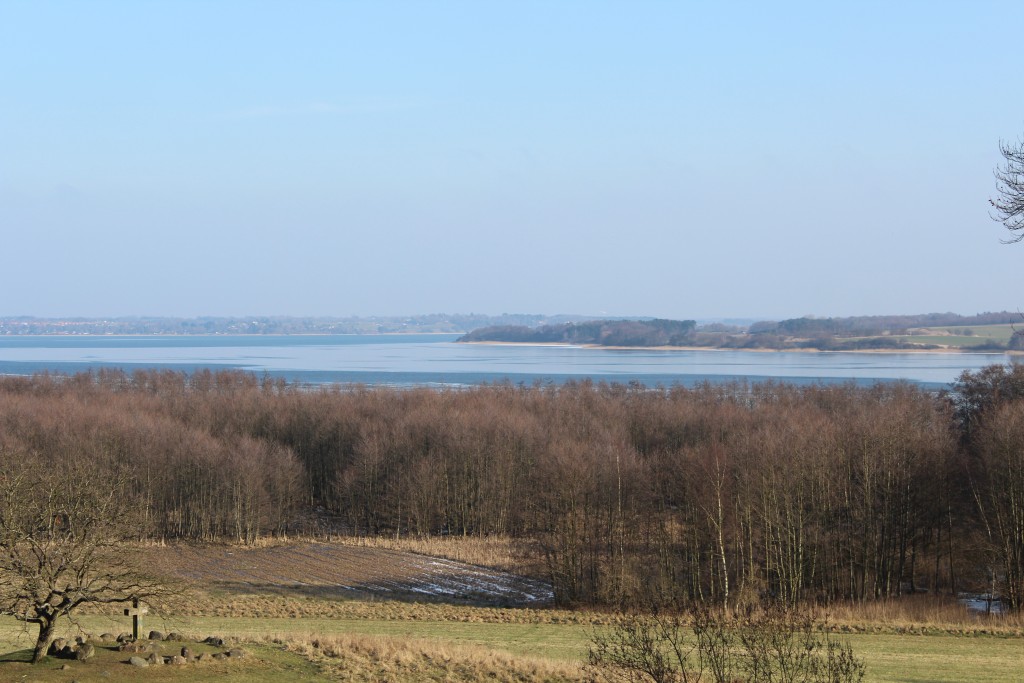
<point>236,653</point>
<point>177,660</point>
<point>107,637</point>
<point>56,645</point>
<point>85,651</point>
<point>214,640</point>
<point>156,635</point>
<point>138,661</point>
<point>155,659</point>
<point>175,636</point>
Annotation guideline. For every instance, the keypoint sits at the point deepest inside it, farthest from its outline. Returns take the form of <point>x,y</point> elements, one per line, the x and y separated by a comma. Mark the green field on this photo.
<point>296,629</point>
<point>962,336</point>
<point>890,657</point>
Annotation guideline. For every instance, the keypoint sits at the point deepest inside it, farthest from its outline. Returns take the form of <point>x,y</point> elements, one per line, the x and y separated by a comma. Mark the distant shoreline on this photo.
<point>84,335</point>
<point>221,334</point>
<point>718,348</point>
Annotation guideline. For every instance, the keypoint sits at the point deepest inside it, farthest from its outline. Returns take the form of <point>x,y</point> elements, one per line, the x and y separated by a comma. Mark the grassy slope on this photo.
<point>890,656</point>
<point>952,337</point>
<point>403,641</point>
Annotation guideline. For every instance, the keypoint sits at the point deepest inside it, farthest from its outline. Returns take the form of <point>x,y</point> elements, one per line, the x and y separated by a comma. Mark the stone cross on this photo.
<point>135,612</point>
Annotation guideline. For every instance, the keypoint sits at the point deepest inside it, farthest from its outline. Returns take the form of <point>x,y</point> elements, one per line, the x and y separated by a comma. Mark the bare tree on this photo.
<point>997,481</point>
<point>63,530</point>
<point>1009,204</point>
<point>652,646</point>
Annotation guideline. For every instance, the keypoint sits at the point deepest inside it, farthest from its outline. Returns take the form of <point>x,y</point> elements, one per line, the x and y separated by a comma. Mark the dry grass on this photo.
<point>920,614</point>
<point>497,552</point>
<point>504,553</point>
<point>379,658</point>
<point>197,604</point>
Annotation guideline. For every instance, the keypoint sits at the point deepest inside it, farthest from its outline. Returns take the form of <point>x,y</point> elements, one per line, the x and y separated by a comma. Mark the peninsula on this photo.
<point>934,331</point>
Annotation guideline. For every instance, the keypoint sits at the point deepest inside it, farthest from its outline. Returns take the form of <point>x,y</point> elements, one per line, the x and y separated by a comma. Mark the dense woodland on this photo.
<point>722,493</point>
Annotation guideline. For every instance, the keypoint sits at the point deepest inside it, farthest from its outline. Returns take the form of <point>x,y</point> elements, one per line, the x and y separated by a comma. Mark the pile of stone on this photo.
<point>152,646</point>
<point>148,652</point>
<point>79,648</point>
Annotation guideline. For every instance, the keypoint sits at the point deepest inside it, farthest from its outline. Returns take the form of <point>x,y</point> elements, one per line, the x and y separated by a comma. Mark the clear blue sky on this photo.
<point>679,159</point>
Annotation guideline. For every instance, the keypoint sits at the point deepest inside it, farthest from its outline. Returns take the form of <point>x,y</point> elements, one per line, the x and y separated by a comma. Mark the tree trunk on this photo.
<point>46,629</point>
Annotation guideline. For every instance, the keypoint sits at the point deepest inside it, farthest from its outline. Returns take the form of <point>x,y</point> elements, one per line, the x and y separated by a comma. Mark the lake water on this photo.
<point>436,360</point>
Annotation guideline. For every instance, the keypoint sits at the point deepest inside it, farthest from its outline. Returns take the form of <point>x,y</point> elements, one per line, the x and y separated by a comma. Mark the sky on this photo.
<point>673,159</point>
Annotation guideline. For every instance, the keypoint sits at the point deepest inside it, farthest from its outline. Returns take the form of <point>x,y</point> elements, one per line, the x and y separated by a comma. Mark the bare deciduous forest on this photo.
<point>725,494</point>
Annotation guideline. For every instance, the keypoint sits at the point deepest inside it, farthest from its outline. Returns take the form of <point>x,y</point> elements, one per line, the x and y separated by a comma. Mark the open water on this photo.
<point>436,360</point>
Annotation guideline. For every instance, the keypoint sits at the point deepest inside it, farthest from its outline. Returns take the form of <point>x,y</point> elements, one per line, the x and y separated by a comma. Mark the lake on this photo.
<point>436,360</point>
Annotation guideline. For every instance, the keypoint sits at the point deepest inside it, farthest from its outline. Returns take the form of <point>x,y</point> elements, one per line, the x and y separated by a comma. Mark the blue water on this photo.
<point>435,360</point>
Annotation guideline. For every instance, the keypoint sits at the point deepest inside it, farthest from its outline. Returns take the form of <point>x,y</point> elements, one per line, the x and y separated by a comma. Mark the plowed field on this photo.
<point>331,570</point>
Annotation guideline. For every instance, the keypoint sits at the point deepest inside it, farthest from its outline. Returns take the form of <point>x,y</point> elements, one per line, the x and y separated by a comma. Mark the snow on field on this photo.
<point>446,577</point>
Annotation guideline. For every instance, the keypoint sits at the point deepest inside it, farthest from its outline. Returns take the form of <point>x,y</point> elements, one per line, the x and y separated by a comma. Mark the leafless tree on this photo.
<point>716,493</point>
<point>63,529</point>
<point>997,480</point>
<point>1009,204</point>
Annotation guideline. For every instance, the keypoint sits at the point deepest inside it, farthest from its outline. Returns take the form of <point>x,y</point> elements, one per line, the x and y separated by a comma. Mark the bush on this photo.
<point>770,644</point>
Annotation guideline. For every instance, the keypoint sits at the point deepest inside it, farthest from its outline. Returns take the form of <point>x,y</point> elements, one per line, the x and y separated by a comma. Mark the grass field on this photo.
<point>890,657</point>
<point>995,332</point>
<point>962,337</point>
<point>264,663</point>
<point>294,634</point>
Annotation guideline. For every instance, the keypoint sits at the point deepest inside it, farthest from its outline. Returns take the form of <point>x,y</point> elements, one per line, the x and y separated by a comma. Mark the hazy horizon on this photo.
<point>483,314</point>
<point>735,160</point>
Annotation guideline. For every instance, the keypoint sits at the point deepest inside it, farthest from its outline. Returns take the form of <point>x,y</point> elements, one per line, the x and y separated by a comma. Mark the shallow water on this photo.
<point>418,359</point>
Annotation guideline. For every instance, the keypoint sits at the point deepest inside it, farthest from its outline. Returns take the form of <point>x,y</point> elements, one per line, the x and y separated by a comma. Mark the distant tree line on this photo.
<point>600,332</point>
<point>438,322</point>
<point>721,493</point>
<point>838,334</point>
<point>826,334</point>
<point>870,325</point>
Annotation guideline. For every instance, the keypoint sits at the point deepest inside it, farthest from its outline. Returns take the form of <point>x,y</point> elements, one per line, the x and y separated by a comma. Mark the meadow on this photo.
<point>960,336</point>
<point>292,633</point>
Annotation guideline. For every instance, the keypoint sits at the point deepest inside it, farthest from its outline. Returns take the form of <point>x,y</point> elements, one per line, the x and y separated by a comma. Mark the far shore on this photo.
<point>945,349</point>
<point>216,334</point>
